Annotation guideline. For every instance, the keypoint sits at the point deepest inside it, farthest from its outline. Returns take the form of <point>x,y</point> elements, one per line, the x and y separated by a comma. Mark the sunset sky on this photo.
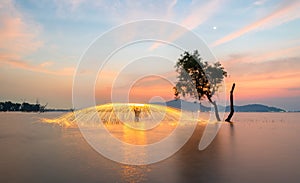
<point>258,42</point>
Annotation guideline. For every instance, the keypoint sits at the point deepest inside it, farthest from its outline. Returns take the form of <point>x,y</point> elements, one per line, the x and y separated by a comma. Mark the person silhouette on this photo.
<point>137,112</point>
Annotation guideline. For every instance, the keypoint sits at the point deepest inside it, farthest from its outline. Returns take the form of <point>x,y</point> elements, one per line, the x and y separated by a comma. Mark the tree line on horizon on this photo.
<point>23,107</point>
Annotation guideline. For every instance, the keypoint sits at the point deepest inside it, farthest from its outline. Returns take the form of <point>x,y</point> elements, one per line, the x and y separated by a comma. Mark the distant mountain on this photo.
<point>185,105</point>
<point>191,106</point>
<point>256,108</point>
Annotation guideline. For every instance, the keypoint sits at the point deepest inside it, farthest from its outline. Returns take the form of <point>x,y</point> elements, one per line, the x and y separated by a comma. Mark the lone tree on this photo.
<point>198,79</point>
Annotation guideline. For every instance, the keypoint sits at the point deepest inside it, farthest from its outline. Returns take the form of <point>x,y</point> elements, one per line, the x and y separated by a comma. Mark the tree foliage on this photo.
<point>198,78</point>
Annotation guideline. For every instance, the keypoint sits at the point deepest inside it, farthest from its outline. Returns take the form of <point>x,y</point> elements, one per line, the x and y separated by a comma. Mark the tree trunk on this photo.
<point>231,104</point>
<point>214,103</point>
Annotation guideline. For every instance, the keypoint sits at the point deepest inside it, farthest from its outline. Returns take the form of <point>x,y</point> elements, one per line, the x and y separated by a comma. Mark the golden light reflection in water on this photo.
<point>66,120</point>
<point>155,123</point>
<point>133,136</point>
<point>132,173</point>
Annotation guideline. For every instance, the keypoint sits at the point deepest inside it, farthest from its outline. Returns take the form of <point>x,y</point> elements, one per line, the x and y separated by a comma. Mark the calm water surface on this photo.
<point>259,147</point>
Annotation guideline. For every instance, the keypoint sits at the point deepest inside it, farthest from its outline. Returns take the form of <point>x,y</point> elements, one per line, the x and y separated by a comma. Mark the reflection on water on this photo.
<point>259,147</point>
<point>133,173</point>
<point>132,135</point>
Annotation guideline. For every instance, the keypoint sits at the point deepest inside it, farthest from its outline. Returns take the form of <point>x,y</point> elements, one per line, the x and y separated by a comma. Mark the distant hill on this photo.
<point>256,108</point>
<point>191,106</point>
<point>252,108</point>
<point>185,105</point>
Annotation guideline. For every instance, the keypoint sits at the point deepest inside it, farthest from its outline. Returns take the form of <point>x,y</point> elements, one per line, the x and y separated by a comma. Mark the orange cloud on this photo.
<point>266,75</point>
<point>286,12</point>
<point>267,88</point>
<point>38,68</point>
<point>150,87</point>
<point>141,91</point>
<point>265,80</point>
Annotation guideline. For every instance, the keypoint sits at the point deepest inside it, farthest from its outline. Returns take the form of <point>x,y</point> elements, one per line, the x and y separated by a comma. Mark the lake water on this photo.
<point>259,147</point>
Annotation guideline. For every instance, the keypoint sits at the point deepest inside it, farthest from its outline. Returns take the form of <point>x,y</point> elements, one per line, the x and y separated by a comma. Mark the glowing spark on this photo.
<point>150,116</point>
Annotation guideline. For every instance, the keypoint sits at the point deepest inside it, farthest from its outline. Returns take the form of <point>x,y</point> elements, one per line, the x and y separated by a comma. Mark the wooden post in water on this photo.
<point>231,104</point>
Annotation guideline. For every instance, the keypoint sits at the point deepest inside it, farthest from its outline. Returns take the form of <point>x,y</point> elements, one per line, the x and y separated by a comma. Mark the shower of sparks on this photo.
<point>150,116</point>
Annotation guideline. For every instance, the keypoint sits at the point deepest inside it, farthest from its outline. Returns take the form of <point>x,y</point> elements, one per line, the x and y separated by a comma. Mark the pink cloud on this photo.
<point>286,12</point>
<point>46,64</point>
<point>19,37</point>
<point>196,17</point>
<point>263,57</point>
<point>18,34</point>
<point>201,14</point>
